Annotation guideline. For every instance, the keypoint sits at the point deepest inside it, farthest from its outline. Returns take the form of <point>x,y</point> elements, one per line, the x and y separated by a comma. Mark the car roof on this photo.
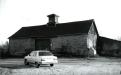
<point>41,51</point>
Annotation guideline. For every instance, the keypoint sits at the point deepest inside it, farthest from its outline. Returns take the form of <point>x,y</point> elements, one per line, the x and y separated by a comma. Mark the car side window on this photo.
<point>35,53</point>
<point>32,53</point>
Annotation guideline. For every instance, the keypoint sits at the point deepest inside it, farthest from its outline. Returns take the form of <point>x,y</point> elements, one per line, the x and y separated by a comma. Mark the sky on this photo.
<point>15,14</point>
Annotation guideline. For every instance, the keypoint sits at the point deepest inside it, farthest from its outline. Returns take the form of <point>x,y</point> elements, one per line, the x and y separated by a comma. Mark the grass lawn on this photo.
<point>66,66</point>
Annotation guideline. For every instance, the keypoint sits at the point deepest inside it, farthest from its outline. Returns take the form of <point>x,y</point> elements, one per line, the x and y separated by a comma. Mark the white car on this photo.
<point>40,57</point>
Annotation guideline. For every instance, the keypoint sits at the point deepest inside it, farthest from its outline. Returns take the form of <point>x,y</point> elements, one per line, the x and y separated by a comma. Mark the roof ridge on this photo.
<point>109,38</point>
<point>34,26</point>
<point>60,23</point>
<point>77,21</point>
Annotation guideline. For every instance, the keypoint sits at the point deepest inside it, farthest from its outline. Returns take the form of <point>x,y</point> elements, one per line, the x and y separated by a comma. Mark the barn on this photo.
<point>71,38</point>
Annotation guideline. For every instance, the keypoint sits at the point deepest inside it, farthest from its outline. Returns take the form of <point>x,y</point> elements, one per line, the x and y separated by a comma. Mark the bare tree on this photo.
<point>119,38</point>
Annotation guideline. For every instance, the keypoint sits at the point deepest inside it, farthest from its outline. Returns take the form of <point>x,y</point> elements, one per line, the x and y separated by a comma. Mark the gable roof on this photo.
<point>79,27</point>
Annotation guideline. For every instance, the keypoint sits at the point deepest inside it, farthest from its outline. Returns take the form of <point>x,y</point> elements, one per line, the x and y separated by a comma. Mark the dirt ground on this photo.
<point>66,66</point>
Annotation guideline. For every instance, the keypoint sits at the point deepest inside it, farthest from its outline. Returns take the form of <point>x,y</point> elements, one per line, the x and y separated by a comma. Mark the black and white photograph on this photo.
<point>60,37</point>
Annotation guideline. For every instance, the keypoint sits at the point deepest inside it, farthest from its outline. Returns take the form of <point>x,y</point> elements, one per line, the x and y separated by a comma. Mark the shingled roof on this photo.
<point>79,27</point>
<point>108,40</point>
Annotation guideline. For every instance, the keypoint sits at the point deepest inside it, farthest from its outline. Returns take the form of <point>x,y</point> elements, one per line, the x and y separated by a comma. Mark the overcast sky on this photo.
<point>15,14</point>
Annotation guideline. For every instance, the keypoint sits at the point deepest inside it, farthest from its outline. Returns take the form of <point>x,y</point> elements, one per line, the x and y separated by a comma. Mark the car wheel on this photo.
<point>26,62</point>
<point>51,65</point>
<point>37,65</point>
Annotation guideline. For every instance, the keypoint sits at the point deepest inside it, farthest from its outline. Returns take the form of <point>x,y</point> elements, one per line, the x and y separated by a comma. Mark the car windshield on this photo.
<point>45,54</point>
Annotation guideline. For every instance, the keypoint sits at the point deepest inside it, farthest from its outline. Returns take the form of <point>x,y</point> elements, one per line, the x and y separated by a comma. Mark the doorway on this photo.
<point>42,44</point>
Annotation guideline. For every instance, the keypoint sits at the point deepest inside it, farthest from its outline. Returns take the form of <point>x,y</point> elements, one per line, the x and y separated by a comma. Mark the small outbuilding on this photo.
<point>108,47</point>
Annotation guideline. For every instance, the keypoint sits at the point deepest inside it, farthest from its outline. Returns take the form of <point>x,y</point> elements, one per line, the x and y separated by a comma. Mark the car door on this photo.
<point>35,57</point>
<point>30,58</point>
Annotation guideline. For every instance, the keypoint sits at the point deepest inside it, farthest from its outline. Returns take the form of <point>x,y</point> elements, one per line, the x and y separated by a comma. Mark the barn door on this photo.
<point>42,44</point>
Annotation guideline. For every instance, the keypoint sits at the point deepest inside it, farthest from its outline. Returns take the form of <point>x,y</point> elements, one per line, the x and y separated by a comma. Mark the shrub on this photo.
<point>4,50</point>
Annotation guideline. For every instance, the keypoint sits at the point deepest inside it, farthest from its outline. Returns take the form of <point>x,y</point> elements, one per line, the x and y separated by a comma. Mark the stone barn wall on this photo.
<point>18,46</point>
<point>72,45</point>
<point>92,41</point>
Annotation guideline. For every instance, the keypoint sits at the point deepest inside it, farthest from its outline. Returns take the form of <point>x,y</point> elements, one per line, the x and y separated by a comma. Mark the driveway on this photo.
<point>66,66</point>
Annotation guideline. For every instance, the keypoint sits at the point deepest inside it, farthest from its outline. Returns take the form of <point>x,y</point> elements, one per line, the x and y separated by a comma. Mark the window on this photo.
<point>45,54</point>
<point>32,53</point>
<point>35,53</point>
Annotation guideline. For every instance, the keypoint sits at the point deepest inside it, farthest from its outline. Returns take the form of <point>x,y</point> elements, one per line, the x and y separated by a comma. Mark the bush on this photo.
<point>4,50</point>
